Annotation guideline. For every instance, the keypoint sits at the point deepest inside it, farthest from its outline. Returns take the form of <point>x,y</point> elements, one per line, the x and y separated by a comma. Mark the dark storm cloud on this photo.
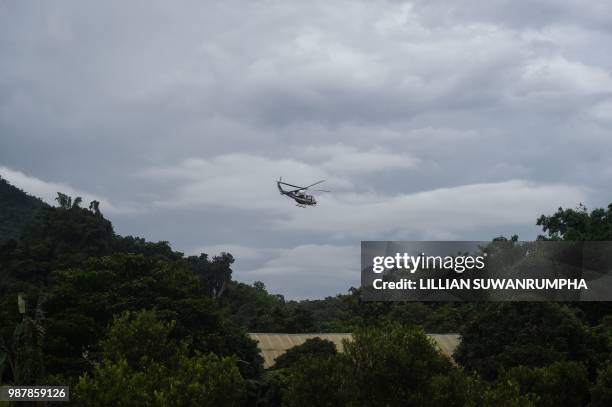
<point>429,120</point>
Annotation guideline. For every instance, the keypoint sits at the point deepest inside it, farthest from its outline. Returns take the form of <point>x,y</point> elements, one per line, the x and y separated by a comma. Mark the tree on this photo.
<point>311,347</point>
<point>142,365</point>
<point>253,308</point>
<point>559,384</point>
<point>389,365</point>
<point>64,201</point>
<point>601,393</point>
<point>83,300</point>
<point>504,335</point>
<point>270,389</point>
<point>94,206</point>
<point>17,209</point>
<point>578,224</point>
<point>115,384</point>
<point>299,319</point>
<point>393,365</point>
<point>139,338</point>
<point>214,275</point>
<point>60,238</point>
<point>23,353</point>
<point>581,225</point>
<point>316,381</point>
<point>204,380</point>
<point>505,393</point>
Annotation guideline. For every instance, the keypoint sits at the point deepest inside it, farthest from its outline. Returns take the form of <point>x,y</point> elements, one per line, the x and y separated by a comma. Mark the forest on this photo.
<point>128,322</point>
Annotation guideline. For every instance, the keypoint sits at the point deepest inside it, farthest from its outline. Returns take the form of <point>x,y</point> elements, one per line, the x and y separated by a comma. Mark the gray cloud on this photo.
<point>427,119</point>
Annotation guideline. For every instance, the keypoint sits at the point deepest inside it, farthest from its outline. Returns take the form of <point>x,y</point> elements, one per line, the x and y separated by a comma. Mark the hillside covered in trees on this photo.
<point>16,210</point>
<point>125,321</point>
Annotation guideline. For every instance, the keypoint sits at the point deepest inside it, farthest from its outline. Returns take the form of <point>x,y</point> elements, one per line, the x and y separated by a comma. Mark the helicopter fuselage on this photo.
<point>299,197</point>
<point>303,199</point>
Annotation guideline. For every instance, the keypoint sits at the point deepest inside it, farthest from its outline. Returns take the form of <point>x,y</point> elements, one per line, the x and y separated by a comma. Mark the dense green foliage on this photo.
<point>578,224</point>
<point>129,322</point>
<point>16,210</point>
<point>311,347</point>
<point>601,392</point>
<point>504,335</point>
<point>558,384</point>
<point>392,365</point>
<point>395,366</point>
<point>70,260</point>
<point>141,364</point>
<point>84,300</point>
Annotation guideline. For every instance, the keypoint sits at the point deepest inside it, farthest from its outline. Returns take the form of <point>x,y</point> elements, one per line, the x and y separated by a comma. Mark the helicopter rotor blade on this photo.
<point>291,185</point>
<point>316,183</point>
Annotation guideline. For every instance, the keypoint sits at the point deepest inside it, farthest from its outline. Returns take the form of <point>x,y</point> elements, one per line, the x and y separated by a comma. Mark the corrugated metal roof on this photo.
<point>272,345</point>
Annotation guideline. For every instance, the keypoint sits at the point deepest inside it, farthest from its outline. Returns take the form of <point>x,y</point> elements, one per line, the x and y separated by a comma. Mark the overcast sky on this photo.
<point>429,119</point>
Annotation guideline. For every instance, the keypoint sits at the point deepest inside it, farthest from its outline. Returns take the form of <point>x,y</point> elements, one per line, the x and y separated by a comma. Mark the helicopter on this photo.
<point>301,198</point>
